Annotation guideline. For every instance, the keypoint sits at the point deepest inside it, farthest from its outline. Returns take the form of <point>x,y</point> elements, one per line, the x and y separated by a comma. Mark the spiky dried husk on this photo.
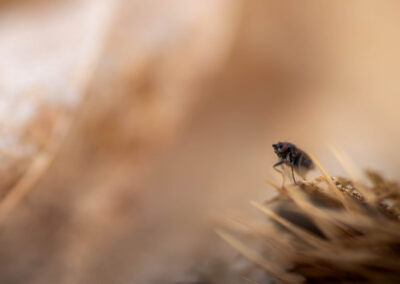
<point>329,230</point>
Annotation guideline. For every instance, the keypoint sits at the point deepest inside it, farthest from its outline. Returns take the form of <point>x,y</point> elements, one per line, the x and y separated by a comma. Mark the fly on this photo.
<point>295,158</point>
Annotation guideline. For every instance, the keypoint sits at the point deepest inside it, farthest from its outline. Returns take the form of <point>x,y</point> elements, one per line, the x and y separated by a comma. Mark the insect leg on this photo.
<point>292,163</point>
<point>283,175</point>
<point>293,175</point>
<point>278,164</point>
<point>302,166</point>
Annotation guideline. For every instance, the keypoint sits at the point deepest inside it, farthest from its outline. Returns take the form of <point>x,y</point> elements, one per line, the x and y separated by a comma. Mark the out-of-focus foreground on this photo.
<point>126,126</point>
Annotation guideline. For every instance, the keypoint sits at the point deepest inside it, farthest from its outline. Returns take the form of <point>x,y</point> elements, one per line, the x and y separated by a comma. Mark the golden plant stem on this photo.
<point>276,272</point>
<point>353,172</point>
<point>307,237</point>
<point>329,180</point>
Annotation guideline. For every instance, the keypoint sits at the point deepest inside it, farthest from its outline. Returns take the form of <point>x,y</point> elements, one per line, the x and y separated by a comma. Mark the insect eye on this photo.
<point>285,147</point>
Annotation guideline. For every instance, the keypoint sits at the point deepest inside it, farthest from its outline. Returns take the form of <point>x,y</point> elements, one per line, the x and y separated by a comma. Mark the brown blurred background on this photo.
<point>127,126</point>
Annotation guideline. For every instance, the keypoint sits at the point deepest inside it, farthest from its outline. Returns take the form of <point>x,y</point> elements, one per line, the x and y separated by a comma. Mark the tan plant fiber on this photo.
<point>328,230</point>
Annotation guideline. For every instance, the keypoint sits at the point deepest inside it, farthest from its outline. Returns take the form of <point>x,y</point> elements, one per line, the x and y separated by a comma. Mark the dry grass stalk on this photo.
<point>327,231</point>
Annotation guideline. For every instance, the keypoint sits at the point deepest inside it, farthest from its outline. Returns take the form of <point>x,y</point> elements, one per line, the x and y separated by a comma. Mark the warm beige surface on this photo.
<point>175,122</point>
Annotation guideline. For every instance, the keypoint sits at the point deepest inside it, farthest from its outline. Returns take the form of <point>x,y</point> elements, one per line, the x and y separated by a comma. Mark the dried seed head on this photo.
<point>319,236</point>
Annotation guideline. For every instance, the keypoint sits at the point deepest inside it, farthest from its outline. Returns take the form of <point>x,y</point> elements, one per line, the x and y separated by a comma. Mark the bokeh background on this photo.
<point>127,126</point>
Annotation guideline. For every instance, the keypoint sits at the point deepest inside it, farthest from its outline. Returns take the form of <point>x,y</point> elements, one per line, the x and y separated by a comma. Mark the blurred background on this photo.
<point>127,126</point>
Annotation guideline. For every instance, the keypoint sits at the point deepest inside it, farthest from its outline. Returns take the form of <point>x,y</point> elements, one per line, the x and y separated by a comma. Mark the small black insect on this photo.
<point>292,156</point>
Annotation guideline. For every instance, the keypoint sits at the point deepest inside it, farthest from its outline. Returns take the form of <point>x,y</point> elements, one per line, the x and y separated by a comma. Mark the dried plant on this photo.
<point>328,230</point>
